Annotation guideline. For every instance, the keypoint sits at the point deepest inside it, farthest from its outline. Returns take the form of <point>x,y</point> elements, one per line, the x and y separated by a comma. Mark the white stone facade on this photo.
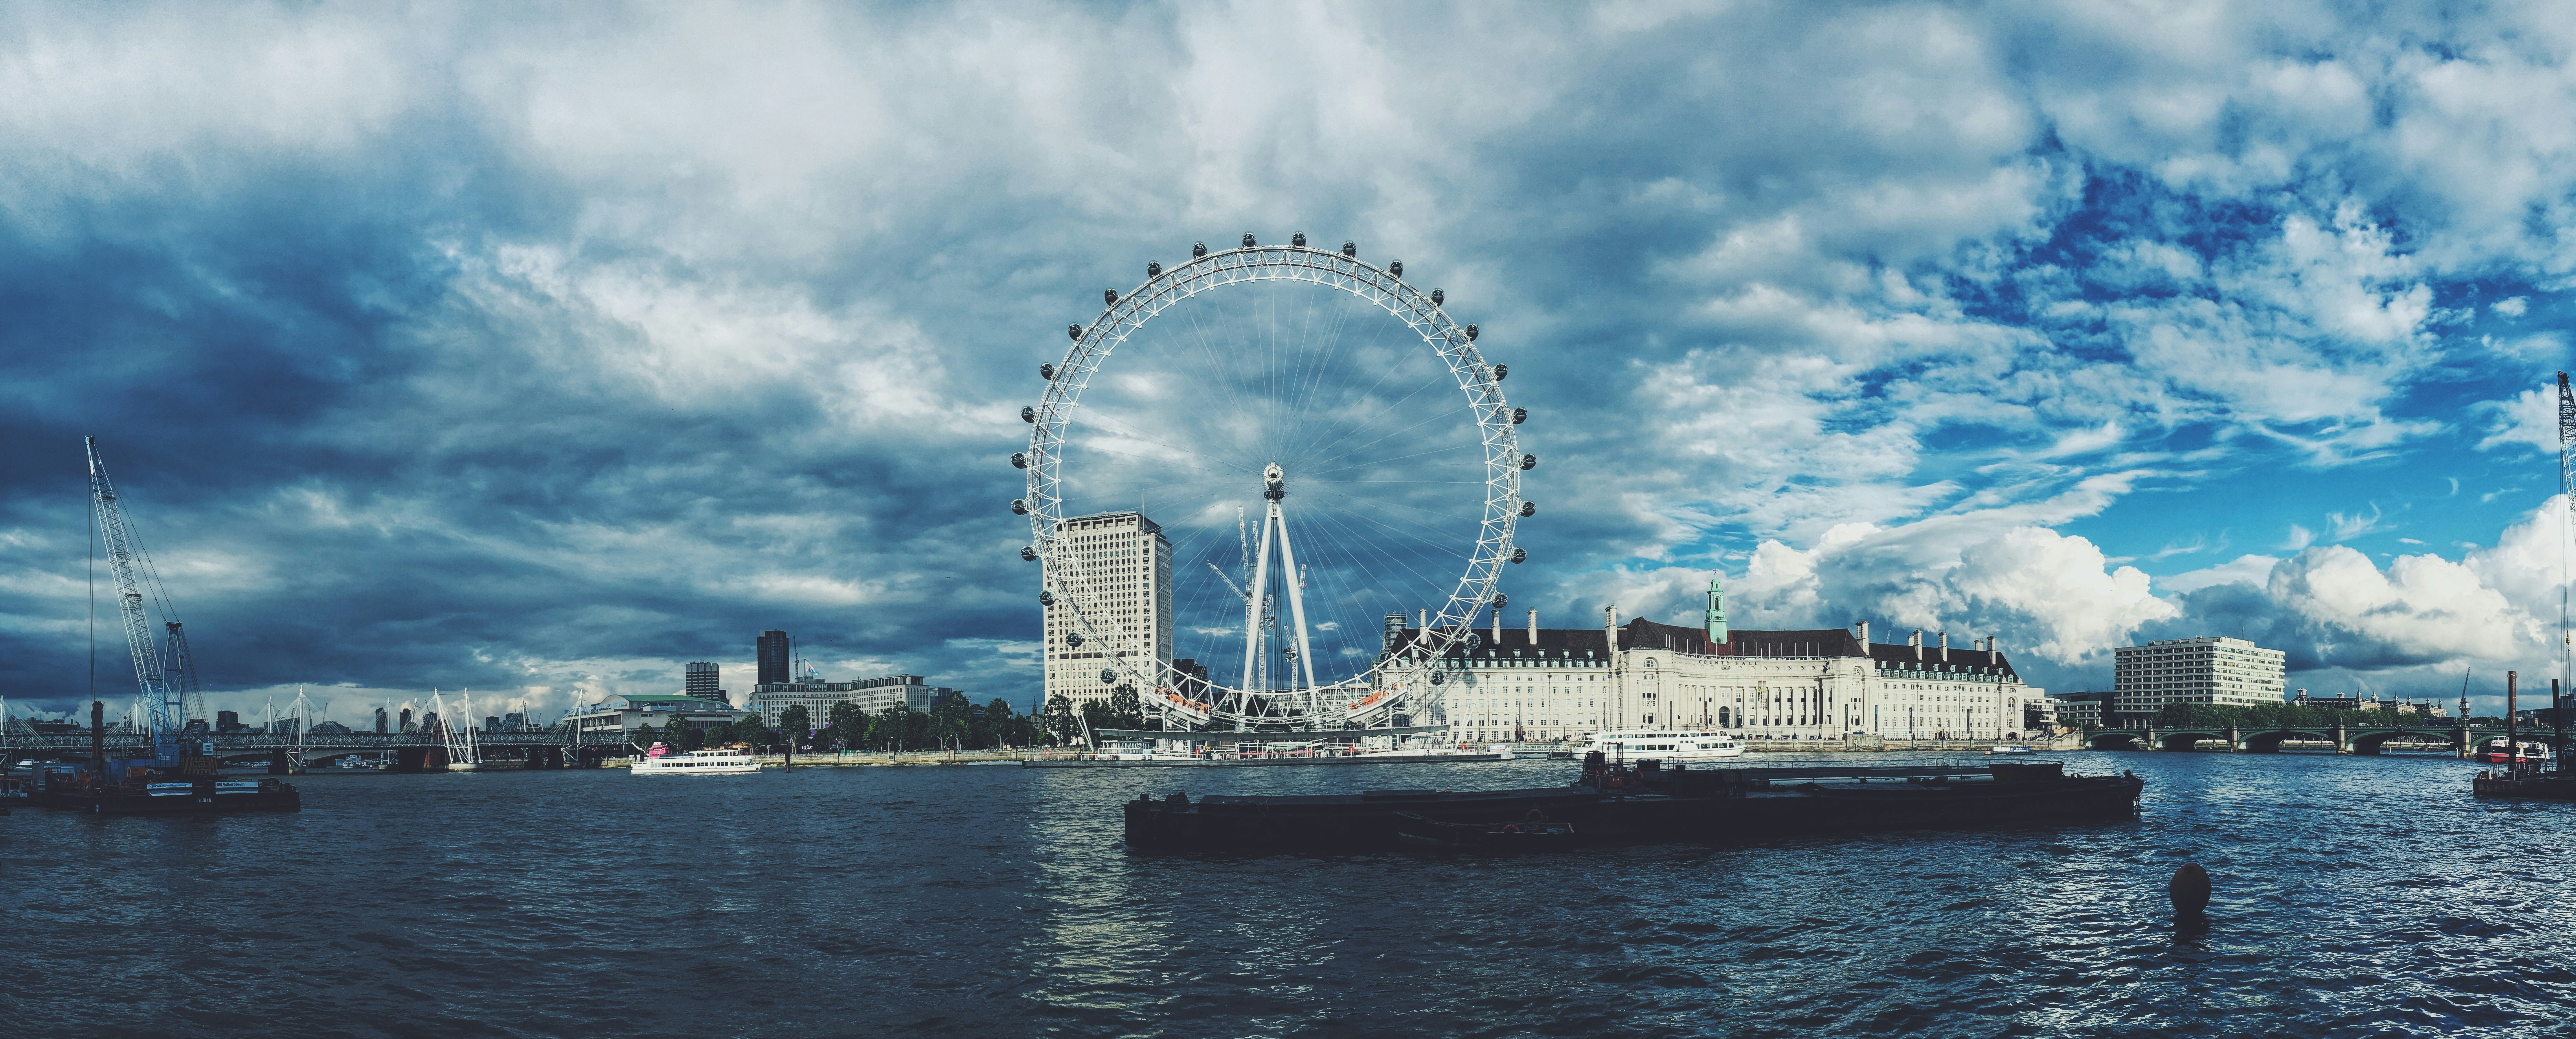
<point>1543,684</point>
<point>1128,564</point>
<point>2210,669</point>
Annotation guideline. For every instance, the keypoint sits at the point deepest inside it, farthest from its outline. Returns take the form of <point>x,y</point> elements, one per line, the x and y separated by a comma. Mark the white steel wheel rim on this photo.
<point>1403,685</point>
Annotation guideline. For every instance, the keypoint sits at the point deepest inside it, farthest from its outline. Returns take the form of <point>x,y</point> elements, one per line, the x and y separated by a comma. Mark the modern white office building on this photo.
<point>1128,564</point>
<point>2210,669</point>
<point>872,695</point>
<point>1541,684</point>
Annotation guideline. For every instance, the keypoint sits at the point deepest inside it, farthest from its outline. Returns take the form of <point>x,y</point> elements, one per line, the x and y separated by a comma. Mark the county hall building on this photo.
<point>1537,684</point>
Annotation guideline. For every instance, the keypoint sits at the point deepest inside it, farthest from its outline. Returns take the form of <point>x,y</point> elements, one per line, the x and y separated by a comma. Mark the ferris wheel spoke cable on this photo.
<point>1364,422</point>
<point>1391,557</point>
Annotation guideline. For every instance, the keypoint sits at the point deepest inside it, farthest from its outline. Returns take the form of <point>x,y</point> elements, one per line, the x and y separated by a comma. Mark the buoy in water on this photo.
<point>2190,889</point>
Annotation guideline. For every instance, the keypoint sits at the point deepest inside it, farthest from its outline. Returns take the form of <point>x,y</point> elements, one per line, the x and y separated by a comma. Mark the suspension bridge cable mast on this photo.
<point>158,695</point>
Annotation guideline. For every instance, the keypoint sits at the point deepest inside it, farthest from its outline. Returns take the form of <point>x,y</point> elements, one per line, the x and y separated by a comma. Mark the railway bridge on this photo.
<point>2347,739</point>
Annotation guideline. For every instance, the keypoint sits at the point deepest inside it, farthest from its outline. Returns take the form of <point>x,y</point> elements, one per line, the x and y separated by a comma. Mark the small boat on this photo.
<point>2494,752</point>
<point>713,761</point>
<point>2011,750</point>
<point>1540,834</point>
<point>1666,745</point>
<point>1560,755</point>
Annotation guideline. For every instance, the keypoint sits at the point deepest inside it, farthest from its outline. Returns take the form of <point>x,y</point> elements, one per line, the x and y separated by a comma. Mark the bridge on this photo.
<point>2347,739</point>
<point>407,751</point>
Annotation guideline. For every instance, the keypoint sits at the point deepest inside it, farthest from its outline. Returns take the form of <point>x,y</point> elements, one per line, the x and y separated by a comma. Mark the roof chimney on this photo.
<point>1533,627</point>
<point>1864,636</point>
<point>1945,647</point>
<point>1917,643</point>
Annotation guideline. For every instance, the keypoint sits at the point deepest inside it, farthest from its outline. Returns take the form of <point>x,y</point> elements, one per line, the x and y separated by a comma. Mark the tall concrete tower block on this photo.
<point>1716,610</point>
<point>776,656</point>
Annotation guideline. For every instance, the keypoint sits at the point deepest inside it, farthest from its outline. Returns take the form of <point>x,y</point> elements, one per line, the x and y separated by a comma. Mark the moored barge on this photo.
<point>1645,805</point>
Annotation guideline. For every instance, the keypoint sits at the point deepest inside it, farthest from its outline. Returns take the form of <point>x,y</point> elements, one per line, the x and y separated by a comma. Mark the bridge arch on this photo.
<point>2189,739</point>
<point>2268,741</point>
<point>2115,741</point>
<point>2375,742</point>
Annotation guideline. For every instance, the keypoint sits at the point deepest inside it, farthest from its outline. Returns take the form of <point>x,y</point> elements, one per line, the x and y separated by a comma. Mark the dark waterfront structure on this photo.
<point>776,658</point>
<point>1648,805</point>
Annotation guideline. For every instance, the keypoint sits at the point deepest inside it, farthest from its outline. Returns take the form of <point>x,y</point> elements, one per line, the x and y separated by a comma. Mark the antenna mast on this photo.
<point>158,694</point>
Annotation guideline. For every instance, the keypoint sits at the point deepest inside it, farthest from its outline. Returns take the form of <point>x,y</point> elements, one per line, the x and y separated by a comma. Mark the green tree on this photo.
<point>849,725</point>
<point>892,726</point>
<point>1126,709</point>
<point>1060,724</point>
<point>644,735</point>
<point>683,736</point>
<point>749,729</point>
<point>795,723</point>
<point>1000,725</point>
<point>949,723</point>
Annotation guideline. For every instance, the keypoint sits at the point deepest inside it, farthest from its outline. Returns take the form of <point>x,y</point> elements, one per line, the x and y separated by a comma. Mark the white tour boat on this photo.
<point>1666,744</point>
<point>711,762</point>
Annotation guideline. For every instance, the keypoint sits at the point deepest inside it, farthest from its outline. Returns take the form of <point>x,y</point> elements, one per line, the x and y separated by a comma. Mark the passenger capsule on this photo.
<point>1501,600</point>
<point>1073,332</point>
<point>1046,598</point>
<point>1471,333</point>
<point>1028,414</point>
<point>1028,553</point>
<point>1108,676</point>
<point>1019,460</point>
<point>1351,249</point>
<point>1198,249</point>
<point>1520,415</point>
<point>1019,506</point>
<point>1047,371</point>
<point>1529,509</point>
<point>1109,296</point>
<point>1073,638</point>
<point>1519,554</point>
<point>1153,270</point>
<point>1438,677</point>
<point>1298,239</point>
<point>1395,267</point>
<point>1502,371</point>
<point>1529,462</point>
<point>1247,239</point>
<point>1438,298</point>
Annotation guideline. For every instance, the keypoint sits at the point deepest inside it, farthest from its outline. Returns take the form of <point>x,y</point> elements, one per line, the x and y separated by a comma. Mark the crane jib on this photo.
<point>161,696</point>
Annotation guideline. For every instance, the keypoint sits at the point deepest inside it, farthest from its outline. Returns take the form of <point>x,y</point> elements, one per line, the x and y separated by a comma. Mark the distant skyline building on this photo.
<point>2211,669</point>
<point>871,695</point>
<point>1128,564</point>
<point>704,682</point>
<point>777,658</point>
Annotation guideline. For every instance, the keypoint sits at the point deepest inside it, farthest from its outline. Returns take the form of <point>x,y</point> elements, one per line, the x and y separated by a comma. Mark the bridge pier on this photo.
<point>2235,741</point>
<point>2342,742</point>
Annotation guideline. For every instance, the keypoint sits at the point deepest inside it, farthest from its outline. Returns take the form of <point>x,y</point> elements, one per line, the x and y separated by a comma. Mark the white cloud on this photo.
<point>2513,307</point>
<point>2250,570</point>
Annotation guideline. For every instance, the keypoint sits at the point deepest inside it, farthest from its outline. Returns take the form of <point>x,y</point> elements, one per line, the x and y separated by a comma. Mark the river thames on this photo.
<point>2355,896</point>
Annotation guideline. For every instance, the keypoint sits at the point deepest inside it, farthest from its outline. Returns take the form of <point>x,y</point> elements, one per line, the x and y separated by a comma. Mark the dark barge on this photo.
<point>1645,805</point>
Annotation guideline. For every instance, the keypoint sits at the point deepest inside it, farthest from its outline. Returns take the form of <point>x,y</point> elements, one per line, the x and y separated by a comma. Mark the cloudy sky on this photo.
<point>539,353</point>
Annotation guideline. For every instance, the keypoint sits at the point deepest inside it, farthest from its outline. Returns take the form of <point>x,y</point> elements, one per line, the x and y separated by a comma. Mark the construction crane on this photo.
<point>2566,487</point>
<point>162,681</point>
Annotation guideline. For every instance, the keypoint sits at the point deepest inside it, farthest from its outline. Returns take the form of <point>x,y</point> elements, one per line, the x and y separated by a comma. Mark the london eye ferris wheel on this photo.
<point>1323,447</point>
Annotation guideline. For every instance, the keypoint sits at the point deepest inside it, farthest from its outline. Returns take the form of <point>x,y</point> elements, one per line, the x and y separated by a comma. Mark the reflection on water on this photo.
<point>2354,897</point>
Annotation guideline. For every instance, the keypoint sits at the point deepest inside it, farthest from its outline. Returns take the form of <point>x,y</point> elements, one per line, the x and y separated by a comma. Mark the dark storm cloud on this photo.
<point>545,351</point>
